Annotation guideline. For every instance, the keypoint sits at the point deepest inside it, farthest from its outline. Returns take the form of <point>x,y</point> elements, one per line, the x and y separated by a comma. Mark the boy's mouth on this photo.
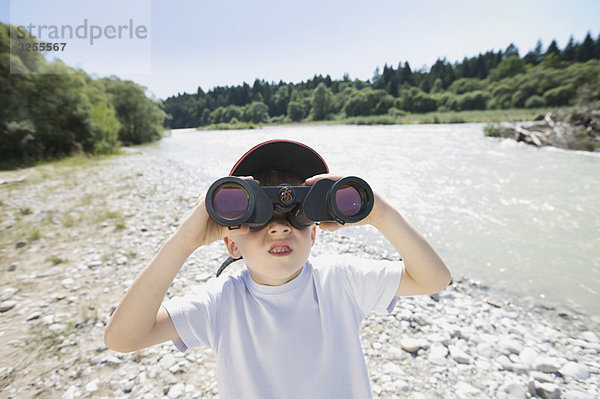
<point>280,249</point>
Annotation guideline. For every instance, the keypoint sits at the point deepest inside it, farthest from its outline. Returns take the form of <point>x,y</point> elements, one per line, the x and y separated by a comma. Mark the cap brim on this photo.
<point>283,155</point>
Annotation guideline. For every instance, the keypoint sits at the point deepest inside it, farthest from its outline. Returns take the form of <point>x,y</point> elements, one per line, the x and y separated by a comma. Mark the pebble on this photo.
<point>176,391</point>
<point>547,390</point>
<point>575,370</point>
<point>459,355</point>
<point>67,282</point>
<point>590,336</point>
<point>7,293</point>
<point>512,390</point>
<point>5,306</point>
<point>437,354</point>
<point>411,344</point>
<point>33,316</point>
<point>546,364</point>
<point>92,386</point>
<point>528,356</point>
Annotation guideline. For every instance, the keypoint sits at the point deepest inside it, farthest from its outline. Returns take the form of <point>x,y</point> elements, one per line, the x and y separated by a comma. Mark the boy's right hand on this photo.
<point>200,229</point>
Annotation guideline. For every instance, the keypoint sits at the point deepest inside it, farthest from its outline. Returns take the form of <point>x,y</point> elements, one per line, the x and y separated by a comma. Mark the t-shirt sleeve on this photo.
<point>195,317</point>
<point>372,283</point>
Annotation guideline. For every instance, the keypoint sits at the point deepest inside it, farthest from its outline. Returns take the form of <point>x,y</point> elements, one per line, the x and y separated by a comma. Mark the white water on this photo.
<point>518,218</point>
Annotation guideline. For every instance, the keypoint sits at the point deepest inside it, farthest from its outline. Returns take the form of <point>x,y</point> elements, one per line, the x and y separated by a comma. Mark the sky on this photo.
<point>183,44</point>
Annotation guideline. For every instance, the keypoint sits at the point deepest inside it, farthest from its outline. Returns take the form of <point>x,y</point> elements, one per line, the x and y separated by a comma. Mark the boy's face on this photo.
<point>275,254</point>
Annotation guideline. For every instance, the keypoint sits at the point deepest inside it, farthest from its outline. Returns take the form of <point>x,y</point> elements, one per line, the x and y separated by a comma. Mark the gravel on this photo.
<point>99,224</point>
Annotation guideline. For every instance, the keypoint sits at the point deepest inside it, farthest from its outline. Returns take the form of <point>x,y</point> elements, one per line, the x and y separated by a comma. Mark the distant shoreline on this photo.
<point>449,117</point>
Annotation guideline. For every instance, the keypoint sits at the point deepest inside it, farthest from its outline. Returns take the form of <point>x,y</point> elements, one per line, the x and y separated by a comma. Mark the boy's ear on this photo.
<point>232,247</point>
<point>313,234</point>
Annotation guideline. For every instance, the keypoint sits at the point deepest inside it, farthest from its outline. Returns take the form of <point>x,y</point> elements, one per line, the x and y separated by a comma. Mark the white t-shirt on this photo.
<point>296,340</point>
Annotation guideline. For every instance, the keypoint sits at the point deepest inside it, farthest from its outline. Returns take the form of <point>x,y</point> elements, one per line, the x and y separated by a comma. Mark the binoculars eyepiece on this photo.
<point>233,202</point>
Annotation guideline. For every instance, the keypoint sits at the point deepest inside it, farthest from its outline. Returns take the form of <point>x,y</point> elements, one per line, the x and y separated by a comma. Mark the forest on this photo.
<point>49,110</point>
<point>550,77</point>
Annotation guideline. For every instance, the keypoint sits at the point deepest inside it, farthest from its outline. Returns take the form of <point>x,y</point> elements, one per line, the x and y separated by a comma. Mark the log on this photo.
<point>12,181</point>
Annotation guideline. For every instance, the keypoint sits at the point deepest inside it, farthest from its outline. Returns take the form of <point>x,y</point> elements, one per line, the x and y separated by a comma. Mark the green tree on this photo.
<point>585,52</point>
<point>256,112</point>
<point>322,102</point>
<point>568,53</point>
<point>438,86</point>
<point>103,121</point>
<point>561,95</point>
<point>368,102</point>
<point>510,66</point>
<point>464,85</point>
<point>296,111</point>
<point>535,56</point>
<point>141,118</point>
<point>552,49</point>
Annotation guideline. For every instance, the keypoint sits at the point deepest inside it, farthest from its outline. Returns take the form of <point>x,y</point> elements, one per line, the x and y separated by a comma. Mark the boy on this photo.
<point>284,327</point>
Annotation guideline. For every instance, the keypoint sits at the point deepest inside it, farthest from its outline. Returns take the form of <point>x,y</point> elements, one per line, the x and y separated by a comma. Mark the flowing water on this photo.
<point>518,218</point>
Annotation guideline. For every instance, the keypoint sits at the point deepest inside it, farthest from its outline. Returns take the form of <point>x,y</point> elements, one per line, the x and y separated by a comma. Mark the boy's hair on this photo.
<point>273,177</point>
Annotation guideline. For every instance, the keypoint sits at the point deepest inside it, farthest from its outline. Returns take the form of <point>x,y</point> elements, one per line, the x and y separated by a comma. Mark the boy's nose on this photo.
<point>279,224</point>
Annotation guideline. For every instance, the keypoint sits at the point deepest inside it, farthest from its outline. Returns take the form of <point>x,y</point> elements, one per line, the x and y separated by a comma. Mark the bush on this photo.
<point>257,112</point>
<point>587,95</point>
<point>417,101</point>
<point>508,67</point>
<point>368,102</point>
<point>296,111</point>
<point>465,85</point>
<point>561,95</point>
<point>535,101</point>
<point>472,100</point>
<point>395,112</point>
<point>497,130</point>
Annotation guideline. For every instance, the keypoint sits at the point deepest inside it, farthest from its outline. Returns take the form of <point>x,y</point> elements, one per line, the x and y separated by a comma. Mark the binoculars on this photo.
<point>233,202</point>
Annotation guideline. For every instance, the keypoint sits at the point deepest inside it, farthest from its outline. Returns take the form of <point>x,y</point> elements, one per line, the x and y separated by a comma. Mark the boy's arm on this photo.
<point>424,271</point>
<point>139,320</point>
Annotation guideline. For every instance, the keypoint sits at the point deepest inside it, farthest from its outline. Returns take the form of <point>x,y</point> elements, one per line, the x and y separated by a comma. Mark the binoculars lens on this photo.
<point>230,201</point>
<point>348,200</point>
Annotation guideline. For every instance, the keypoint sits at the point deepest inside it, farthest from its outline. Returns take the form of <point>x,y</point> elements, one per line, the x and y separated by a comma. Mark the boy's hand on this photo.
<point>200,229</point>
<point>376,214</point>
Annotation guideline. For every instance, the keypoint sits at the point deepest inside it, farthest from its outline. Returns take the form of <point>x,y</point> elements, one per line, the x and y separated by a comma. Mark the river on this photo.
<point>517,218</point>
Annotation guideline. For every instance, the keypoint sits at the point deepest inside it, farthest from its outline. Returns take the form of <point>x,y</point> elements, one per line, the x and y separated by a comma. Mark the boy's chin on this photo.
<point>274,277</point>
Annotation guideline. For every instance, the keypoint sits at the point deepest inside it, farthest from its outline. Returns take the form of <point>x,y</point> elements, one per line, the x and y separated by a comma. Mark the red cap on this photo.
<point>283,155</point>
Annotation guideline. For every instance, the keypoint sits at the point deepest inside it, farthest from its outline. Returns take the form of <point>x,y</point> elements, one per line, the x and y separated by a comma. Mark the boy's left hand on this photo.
<point>379,207</point>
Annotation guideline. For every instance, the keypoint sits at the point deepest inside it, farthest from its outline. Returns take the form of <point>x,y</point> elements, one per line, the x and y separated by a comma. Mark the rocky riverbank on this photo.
<point>74,237</point>
<point>569,130</point>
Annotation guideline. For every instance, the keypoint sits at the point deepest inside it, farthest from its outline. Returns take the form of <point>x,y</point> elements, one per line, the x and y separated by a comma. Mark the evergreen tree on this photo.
<point>552,49</point>
<point>535,56</point>
<point>568,54</point>
<point>510,51</point>
<point>585,52</point>
<point>376,76</point>
<point>406,76</point>
<point>597,48</point>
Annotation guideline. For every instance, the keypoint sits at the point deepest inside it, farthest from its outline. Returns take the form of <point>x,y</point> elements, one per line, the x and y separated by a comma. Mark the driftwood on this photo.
<point>12,181</point>
<point>575,130</point>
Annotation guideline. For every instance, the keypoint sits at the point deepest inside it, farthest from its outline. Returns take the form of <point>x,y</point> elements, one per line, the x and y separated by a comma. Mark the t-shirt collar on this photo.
<point>285,288</point>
